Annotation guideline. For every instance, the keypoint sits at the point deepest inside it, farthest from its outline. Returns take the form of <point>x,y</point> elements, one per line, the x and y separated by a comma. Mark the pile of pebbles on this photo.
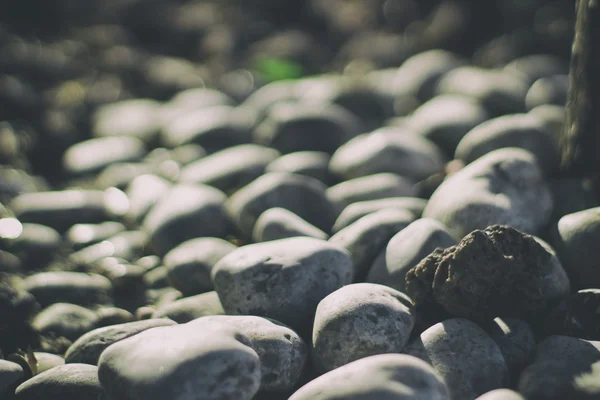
<point>176,222</point>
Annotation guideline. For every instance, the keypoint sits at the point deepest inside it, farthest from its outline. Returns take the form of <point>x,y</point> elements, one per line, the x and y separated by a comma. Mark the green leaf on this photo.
<point>276,69</point>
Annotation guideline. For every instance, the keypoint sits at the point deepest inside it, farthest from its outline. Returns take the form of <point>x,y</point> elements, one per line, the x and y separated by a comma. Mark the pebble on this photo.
<point>564,368</point>
<point>278,189</point>
<point>11,376</point>
<point>358,321</point>
<point>371,187</point>
<point>309,163</point>
<point>36,244</point>
<point>551,115</point>
<point>406,249</point>
<point>369,235</point>
<point>88,347</point>
<point>186,212</point>
<point>306,126</point>
<point>137,118</point>
<point>190,308</point>
<point>383,376</point>
<point>464,356</point>
<point>113,315</point>
<point>84,235</point>
<point>355,211</point>
<point>68,287</point>
<point>517,130</point>
<point>189,264</point>
<point>157,278</point>
<point>577,315</point>
<point>65,382</point>
<point>282,279</point>
<point>93,155</point>
<point>191,100</point>
<point>536,66</point>
<point>495,272</point>
<point>47,361</point>
<point>548,90</point>
<point>64,320</point>
<point>283,354</point>
<point>126,245</point>
<point>190,361</point>
<point>231,168</point>
<point>393,150</point>
<point>575,241</point>
<point>500,92</point>
<point>505,186</point>
<point>446,119</point>
<point>121,174</point>
<point>501,394</point>
<point>143,193</point>
<point>279,223</point>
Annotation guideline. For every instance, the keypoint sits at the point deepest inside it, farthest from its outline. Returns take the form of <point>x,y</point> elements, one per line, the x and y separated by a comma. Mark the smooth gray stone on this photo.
<point>121,174</point>
<point>263,98</point>
<point>371,187</point>
<point>355,211</point>
<point>137,118</point>
<point>68,287</point>
<point>306,126</point>
<point>279,223</point>
<point>501,394</point>
<point>406,249</point>
<point>524,131</point>
<point>535,66</point>
<point>516,341</point>
<point>464,356</point>
<point>143,192</point>
<point>358,321</point>
<point>548,90</point>
<point>503,187</point>
<point>190,263</point>
<point>192,307</point>
<point>87,349</point>
<point>282,279</point>
<point>157,278</point>
<point>564,368</point>
<point>191,100</point>
<point>181,362</point>
<point>393,150</point>
<point>65,382</point>
<point>112,316</point>
<point>309,163</point>
<point>35,246</point>
<point>93,155</point>
<point>552,116</point>
<point>231,168</point>
<point>126,245</point>
<point>302,195</point>
<point>576,241</point>
<point>499,91</point>
<point>83,235</point>
<point>379,377</point>
<point>369,235</point>
<point>46,361</point>
<point>419,74</point>
<point>186,212</point>
<point>446,119</point>
<point>64,320</point>
<point>283,354</point>
<point>11,375</point>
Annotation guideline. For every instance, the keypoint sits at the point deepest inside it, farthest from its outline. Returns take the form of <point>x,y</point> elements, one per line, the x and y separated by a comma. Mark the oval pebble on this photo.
<point>190,308</point>
<point>501,394</point>
<point>64,320</point>
<point>65,382</point>
<point>68,287</point>
<point>135,118</point>
<point>358,321</point>
<point>309,163</point>
<point>11,376</point>
<point>279,223</point>
<point>281,279</point>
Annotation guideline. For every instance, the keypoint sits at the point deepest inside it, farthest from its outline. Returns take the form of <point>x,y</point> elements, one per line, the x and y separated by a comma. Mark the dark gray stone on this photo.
<point>358,321</point>
<point>389,149</point>
<point>577,316</point>
<point>309,163</point>
<point>406,249</point>
<point>64,320</point>
<point>68,287</point>
<point>282,279</point>
<point>190,263</point>
<point>87,349</point>
<point>11,375</point>
<point>35,246</point>
<point>189,308</point>
<point>504,187</point>
<point>65,382</point>
<point>464,356</point>
<point>186,212</point>
<point>279,223</point>
<point>302,195</point>
<point>368,236</point>
<point>190,361</point>
<point>548,90</point>
<point>383,376</point>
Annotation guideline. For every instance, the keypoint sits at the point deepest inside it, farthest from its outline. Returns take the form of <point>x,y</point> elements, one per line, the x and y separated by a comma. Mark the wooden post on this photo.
<point>580,141</point>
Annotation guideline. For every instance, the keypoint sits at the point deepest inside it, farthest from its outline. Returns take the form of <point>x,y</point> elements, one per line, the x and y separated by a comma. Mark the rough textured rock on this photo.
<point>283,279</point>
<point>464,356</point>
<point>87,349</point>
<point>66,382</point>
<point>504,187</point>
<point>358,321</point>
<point>181,362</point>
<point>495,272</point>
<point>384,376</point>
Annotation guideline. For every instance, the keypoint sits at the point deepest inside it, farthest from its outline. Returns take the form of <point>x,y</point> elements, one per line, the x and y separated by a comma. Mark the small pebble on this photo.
<point>309,163</point>
<point>190,308</point>
<point>279,223</point>
<point>64,320</point>
<point>11,376</point>
<point>68,287</point>
<point>65,382</point>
